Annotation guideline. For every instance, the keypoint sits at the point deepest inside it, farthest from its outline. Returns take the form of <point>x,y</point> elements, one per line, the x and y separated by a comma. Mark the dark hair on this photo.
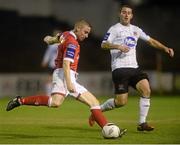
<point>127,6</point>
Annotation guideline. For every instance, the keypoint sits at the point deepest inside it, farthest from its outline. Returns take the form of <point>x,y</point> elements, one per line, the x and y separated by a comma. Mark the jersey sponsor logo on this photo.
<point>106,36</point>
<point>121,87</point>
<point>130,41</point>
<point>70,51</point>
<point>135,33</point>
<point>71,46</point>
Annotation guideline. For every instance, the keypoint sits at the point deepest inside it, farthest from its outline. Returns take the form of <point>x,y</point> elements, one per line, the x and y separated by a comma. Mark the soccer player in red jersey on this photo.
<point>65,75</point>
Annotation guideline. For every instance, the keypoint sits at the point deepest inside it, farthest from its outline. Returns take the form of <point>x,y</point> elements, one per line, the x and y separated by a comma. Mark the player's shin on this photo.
<point>108,105</point>
<point>98,116</point>
<point>144,105</point>
<point>35,100</point>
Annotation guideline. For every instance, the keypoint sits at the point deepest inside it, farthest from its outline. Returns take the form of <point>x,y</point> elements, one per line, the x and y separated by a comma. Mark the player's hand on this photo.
<point>47,39</point>
<point>170,51</point>
<point>71,88</point>
<point>124,48</point>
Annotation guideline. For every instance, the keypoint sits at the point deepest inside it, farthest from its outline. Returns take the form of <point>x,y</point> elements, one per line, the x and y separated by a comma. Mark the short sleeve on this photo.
<point>70,52</point>
<point>110,35</point>
<point>143,35</point>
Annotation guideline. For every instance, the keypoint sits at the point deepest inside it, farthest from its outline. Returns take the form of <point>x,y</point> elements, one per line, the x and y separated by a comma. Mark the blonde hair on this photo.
<point>80,23</point>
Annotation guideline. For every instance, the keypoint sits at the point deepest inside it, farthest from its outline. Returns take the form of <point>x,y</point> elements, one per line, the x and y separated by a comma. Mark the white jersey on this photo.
<point>50,55</point>
<point>124,35</point>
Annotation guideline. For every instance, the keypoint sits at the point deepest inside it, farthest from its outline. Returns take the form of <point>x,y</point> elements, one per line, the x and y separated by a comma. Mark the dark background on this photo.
<point>22,46</point>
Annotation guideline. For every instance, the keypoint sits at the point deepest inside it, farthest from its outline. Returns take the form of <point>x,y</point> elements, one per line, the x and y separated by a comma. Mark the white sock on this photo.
<point>108,105</point>
<point>144,105</point>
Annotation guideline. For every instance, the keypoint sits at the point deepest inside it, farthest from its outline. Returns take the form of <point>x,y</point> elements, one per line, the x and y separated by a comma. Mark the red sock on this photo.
<point>35,100</point>
<point>99,117</point>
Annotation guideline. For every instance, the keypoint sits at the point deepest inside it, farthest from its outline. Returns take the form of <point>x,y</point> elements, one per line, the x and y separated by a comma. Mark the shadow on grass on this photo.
<point>72,128</point>
<point>23,136</point>
<point>50,128</point>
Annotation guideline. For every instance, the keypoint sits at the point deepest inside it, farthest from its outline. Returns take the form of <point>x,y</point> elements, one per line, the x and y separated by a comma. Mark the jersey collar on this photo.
<point>72,33</point>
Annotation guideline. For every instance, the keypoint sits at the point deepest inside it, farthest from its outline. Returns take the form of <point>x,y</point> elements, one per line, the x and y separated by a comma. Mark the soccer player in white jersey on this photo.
<point>48,62</point>
<point>121,39</point>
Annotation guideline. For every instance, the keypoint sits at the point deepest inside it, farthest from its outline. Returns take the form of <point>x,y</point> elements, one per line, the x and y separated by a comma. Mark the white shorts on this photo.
<point>59,83</point>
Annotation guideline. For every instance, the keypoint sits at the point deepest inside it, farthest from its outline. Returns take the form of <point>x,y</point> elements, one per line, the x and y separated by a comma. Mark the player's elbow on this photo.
<point>103,45</point>
<point>152,42</point>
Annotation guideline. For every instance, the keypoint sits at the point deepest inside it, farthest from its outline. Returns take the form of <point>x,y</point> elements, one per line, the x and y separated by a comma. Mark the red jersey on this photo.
<point>68,49</point>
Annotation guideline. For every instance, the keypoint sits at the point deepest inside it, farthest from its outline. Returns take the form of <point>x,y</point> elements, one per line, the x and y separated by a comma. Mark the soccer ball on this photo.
<point>110,130</point>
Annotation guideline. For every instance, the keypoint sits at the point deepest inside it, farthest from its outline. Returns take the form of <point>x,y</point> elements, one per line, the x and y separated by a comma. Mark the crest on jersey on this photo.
<point>61,39</point>
<point>130,41</point>
<point>135,33</point>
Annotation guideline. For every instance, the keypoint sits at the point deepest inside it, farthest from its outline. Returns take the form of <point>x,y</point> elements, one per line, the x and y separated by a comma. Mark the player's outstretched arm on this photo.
<point>156,44</point>
<point>107,46</point>
<point>51,39</point>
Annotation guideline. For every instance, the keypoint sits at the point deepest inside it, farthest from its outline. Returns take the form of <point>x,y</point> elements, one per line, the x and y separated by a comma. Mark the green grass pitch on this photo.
<point>68,124</point>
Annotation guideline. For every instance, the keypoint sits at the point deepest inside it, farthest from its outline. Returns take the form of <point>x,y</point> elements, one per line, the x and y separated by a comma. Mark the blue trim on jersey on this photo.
<point>71,46</point>
<point>70,53</point>
<point>106,36</point>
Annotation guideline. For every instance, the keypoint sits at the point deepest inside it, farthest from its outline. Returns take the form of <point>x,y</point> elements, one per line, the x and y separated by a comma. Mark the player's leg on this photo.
<point>119,101</point>
<point>29,100</point>
<point>56,99</point>
<point>120,80</point>
<point>84,96</point>
<point>93,103</point>
<point>121,93</point>
<point>59,91</point>
<point>144,104</point>
<point>39,100</point>
<point>110,104</point>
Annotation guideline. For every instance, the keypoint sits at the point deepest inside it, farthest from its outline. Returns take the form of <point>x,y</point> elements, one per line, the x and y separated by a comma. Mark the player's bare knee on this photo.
<point>146,92</point>
<point>56,100</point>
<point>55,104</point>
<point>94,103</point>
<point>120,103</point>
